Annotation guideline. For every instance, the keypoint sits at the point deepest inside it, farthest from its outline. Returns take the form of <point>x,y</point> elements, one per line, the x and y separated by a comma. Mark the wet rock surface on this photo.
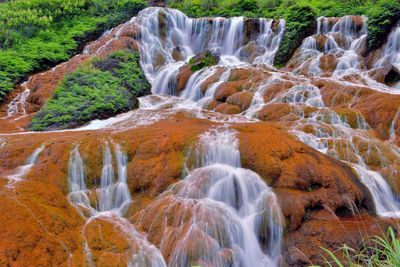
<point>317,132</point>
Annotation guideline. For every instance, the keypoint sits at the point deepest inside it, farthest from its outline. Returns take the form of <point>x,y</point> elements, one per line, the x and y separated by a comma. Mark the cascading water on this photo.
<point>18,104</point>
<point>108,203</point>
<point>344,39</point>
<point>332,135</point>
<point>111,195</point>
<point>221,209</point>
<point>391,52</point>
<point>169,38</point>
<point>21,171</point>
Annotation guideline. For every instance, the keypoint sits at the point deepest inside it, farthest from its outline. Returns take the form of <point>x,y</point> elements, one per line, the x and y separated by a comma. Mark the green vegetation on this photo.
<point>37,34</point>
<point>381,19</point>
<point>300,23</point>
<point>300,16</point>
<point>270,8</point>
<point>203,60</point>
<point>378,251</point>
<point>104,88</point>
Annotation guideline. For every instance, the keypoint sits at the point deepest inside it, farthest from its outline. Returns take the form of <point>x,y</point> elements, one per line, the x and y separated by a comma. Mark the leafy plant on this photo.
<point>201,61</point>
<point>381,19</point>
<point>300,23</point>
<point>37,34</point>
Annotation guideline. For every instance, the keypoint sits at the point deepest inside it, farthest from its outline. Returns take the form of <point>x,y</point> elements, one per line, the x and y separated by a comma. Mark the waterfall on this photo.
<point>169,39</point>
<point>227,207</point>
<point>23,170</point>
<point>342,38</point>
<point>111,195</point>
<point>330,128</point>
<point>108,202</point>
<point>391,51</point>
<point>18,104</point>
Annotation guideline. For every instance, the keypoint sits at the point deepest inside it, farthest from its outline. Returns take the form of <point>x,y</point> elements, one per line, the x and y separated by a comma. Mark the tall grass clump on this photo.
<point>378,251</point>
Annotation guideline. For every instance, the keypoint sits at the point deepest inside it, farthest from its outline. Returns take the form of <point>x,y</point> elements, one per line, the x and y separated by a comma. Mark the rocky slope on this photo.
<point>322,134</point>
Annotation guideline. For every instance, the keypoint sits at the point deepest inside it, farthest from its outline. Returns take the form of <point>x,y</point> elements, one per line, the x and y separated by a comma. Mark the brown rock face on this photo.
<point>241,99</point>
<point>293,169</point>
<point>183,76</point>
<point>378,108</point>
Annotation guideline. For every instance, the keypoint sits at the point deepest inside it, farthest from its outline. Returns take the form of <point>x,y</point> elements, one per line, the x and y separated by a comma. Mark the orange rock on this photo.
<point>241,99</point>
<point>183,76</point>
<point>293,168</point>
<point>228,109</point>
<point>211,80</point>
<point>227,89</point>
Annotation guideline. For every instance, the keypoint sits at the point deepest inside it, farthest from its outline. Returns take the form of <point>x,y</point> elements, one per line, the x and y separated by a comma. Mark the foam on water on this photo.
<point>228,205</point>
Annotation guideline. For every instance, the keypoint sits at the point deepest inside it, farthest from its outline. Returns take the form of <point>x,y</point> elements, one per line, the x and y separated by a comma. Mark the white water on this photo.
<point>108,202</point>
<point>344,40</point>
<point>188,37</point>
<point>332,135</point>
<point>226,208</point>
<point>23,170</point>
<point>112,194</point>
<point>391,52</point>
<point>18,104</point>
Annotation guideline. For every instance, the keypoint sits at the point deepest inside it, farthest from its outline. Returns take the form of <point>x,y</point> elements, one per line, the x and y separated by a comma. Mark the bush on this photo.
<point>37,34</point>
<point>381,18</point>
<point>300,23</point>
<point>201,61</point>
<point>105,88</point>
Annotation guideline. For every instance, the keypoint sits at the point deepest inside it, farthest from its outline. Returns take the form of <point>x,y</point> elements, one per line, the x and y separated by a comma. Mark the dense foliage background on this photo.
<point>104,88</point>
<point>37,34</point>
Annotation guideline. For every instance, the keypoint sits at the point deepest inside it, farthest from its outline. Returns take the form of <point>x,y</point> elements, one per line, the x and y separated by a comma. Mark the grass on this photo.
<point>379,251</point>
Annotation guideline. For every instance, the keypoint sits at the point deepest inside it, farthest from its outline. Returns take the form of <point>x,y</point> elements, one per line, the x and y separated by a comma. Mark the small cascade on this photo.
<point>391,54</point>
<point>108,203</point>
<point>393,126</point>
<point>18,104</point>
<point>386,203</point>
<point>331,134</point>
<point>21,171</point>
<point>221,209</point>
<point>169,39</point>
<point>303,93</point>
<point>391,51</point>
<point>111,195</point>
<point>343,38</point>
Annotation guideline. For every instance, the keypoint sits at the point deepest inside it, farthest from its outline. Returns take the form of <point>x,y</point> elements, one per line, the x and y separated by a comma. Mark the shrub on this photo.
<point>381,18</point>
<point>300,23</point>
<point>201,61</point>
<point>37,34</point>
<point>108,86</point>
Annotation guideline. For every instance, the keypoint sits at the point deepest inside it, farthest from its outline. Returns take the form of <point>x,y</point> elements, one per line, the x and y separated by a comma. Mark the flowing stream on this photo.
<point>108,202</point>
<point>221,209</point>
<point>225,215</point>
